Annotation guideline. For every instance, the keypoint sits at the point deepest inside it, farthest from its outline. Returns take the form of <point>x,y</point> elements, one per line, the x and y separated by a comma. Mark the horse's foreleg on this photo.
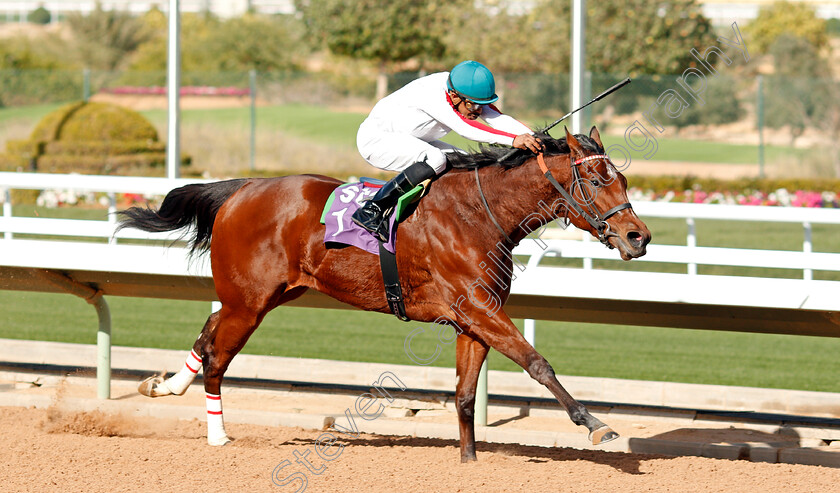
<point>470,354</point>
<point>501,334</point>
<point>178,383</point>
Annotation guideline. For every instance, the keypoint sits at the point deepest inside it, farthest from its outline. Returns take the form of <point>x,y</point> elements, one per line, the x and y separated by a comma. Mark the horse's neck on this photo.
<point>512,195</point>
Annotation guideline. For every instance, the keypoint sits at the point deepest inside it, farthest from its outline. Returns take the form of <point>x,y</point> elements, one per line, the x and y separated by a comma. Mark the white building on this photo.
<point>726,12</point>
<point>718,11</point>
<point>17,10</point>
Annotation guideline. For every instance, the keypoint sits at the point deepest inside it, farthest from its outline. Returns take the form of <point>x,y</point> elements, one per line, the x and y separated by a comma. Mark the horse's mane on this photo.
<point>488,155</point>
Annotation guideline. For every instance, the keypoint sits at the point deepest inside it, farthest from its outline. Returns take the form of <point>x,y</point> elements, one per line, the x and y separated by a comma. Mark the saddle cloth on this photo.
<point>344,201</point>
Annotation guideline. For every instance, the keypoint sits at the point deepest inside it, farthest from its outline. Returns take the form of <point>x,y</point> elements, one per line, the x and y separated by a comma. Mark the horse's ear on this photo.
<point>574,145</point>
<point>596,136</point>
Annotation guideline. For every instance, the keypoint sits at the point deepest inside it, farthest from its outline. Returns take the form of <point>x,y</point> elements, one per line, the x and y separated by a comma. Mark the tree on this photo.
<point>474,31</point>
<point>803,94</point>
<point>793,100</point>
<point>254,42</point>
<point>626,36</point>
<point>721,105</point>
<point>21,53</point>
<point>196,32</point>
<point>39,16</point>
<point>793,19</point>
<point>104,37</point>
<point>493,36</point>
<point>32,71</point>
<point>382,31</point>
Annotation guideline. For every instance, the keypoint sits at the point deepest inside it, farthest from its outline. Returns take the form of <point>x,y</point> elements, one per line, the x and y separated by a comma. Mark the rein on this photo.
<point>489,212</point>
<point>593,216</point>
<point>595,219</point>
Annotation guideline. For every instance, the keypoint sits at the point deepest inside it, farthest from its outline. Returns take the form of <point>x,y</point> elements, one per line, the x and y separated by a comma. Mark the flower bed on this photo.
<point>780,197</point>
<point>184,91</point>
<point>784,193</point>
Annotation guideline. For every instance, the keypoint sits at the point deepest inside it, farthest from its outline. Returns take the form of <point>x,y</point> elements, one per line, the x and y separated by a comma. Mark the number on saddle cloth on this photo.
<point>346,199</point>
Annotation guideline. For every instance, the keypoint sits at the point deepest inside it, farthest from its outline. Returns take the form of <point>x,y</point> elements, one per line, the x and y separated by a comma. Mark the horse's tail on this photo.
<point>191,207</point>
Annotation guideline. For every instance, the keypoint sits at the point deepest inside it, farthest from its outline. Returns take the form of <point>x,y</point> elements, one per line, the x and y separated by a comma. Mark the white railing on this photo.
<point>110,185</point>
<point>583,248</point>
<point>61,256</point>
<point>691,255</point>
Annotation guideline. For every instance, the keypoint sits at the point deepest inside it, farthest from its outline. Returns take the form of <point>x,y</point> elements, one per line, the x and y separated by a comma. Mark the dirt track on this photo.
<point>51,450</point>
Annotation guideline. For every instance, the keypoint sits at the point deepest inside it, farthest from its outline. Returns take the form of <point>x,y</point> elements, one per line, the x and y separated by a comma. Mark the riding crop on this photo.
<point>567,115</point>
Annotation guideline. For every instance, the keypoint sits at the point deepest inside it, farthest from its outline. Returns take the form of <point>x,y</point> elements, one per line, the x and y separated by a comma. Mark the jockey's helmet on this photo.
<point>473,81</point>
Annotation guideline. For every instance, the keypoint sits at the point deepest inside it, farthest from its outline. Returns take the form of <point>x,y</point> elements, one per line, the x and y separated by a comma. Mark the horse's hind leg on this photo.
<point>235,326</point>
<point>469,355</point>
<point>177,384</point>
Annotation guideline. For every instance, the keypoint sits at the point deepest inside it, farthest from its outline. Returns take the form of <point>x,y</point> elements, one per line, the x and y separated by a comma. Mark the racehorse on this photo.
<point>268,248</point>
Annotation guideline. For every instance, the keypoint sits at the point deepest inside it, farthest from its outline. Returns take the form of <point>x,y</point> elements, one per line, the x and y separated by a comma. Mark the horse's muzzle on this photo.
<point>632,244</point>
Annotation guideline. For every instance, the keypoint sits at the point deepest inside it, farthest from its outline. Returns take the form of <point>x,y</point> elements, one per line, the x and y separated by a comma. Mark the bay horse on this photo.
<point>268,248</point>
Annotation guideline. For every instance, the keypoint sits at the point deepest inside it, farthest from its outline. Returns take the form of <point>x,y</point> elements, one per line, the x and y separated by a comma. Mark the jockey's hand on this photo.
<point>528,142</point>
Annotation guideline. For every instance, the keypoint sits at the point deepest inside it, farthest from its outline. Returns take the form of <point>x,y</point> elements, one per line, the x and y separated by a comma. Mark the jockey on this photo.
<point>403,130</point>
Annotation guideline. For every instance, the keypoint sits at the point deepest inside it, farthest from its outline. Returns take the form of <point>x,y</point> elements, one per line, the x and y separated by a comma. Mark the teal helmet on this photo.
<point>473,81</point>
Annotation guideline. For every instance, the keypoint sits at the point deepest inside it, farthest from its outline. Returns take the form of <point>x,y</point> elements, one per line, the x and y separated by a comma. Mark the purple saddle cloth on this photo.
<point>341,205</point>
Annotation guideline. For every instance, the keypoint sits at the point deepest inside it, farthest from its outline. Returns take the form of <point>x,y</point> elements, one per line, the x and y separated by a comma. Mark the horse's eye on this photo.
<point>595,182</point>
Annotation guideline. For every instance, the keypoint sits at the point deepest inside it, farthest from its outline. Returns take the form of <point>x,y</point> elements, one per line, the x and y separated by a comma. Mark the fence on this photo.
<point>761,120</point>
<point>793,306</point>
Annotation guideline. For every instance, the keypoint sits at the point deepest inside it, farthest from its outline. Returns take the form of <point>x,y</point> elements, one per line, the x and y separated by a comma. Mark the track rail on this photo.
<point>831,425</point>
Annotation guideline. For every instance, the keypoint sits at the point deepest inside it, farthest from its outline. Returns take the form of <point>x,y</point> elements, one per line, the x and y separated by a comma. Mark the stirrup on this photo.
<point>382,233</point>
<point>369,217</point>
<point>377,226</point>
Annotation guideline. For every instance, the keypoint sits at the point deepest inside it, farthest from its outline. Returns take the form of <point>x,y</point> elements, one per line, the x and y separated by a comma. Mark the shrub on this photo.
<point>97,138</point>
<point>39,16</point>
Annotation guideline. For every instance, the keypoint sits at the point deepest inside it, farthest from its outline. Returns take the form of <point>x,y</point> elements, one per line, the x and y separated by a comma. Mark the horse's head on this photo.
<point>599,199</point>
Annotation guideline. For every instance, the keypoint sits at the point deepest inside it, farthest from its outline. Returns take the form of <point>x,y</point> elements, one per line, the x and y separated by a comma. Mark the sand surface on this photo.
<point>55,450</point>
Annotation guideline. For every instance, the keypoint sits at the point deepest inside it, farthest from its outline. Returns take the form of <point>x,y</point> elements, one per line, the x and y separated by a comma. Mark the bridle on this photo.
<point>593,216</point>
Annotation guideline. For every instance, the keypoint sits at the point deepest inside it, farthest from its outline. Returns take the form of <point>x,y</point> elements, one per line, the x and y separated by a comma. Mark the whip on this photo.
<point>567,115</point>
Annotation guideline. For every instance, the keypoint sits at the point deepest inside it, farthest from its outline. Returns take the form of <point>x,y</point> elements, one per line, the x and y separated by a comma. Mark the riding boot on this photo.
<point>372,216</point>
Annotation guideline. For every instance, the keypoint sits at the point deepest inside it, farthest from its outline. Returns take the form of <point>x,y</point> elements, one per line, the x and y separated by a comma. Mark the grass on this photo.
<point>28,113</point>
<point>294,137</point>
<point>646,353</point>
<point>727,234</point>
<point>297,137</point>
<point>337,130</point>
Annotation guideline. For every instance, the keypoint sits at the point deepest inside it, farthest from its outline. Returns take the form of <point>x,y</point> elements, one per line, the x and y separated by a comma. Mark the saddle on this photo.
<point>341,231</point>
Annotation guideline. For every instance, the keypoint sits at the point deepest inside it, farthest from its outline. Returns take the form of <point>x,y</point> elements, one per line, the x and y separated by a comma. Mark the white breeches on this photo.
<point>396,152</point>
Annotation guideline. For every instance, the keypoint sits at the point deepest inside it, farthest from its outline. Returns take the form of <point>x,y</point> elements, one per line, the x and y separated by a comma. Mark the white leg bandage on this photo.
<point>179,382</point>
<point>215,423</point>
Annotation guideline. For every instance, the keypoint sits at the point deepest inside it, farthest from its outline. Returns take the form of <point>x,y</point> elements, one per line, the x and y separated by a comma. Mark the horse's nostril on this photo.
<point>635,238</point>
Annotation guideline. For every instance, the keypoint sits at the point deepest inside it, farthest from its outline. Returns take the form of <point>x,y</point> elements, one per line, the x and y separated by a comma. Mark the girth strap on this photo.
<point>391,280</point>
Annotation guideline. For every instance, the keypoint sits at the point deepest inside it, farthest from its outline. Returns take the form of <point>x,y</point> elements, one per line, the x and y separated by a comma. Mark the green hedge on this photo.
<point>90,138</point>
<point>103,148</point>
<point>10,162</point>
<point>24,148</point>
<point>38,86</point>
<point>61,163</point>
<point>106,122</point>
<point>49,126</point>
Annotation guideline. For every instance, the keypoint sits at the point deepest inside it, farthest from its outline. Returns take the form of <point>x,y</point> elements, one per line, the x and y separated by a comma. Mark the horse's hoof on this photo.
<point>153,387</point>
<point>219,442</point>
<point>603,434</point>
